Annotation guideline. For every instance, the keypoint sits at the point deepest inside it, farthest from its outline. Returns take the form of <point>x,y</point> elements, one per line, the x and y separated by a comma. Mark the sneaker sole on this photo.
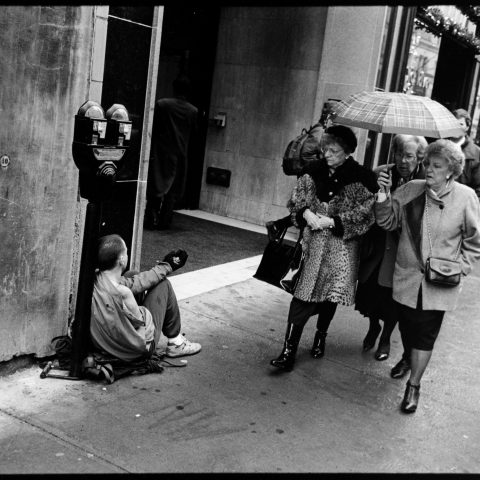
<point>169,355</point>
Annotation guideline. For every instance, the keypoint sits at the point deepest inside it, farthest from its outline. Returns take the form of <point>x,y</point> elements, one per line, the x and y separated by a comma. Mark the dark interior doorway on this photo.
<point>454,74</point>
<point>189,37</point>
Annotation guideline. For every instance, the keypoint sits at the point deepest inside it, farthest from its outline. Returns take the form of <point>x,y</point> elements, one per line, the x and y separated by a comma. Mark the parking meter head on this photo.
<point>119,128</point>
<point>98,154</point>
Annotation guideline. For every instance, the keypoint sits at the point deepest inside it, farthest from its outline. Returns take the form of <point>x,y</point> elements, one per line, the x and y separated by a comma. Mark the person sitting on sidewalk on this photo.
<point>120,326</point>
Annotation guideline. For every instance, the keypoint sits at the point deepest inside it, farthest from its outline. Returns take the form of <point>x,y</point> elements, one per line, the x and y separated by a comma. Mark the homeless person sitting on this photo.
<point>119,325</point>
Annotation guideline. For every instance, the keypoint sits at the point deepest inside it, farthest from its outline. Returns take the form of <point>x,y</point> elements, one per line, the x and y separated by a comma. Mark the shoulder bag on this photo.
<point>441,271</point>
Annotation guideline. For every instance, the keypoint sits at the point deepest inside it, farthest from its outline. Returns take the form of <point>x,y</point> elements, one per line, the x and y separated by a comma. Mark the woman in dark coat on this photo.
<point>379,248</point>
<point>334,205</point>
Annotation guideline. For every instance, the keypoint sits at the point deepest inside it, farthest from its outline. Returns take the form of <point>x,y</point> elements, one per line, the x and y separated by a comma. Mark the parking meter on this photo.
<point>100,143</point>
<point>99,146</point>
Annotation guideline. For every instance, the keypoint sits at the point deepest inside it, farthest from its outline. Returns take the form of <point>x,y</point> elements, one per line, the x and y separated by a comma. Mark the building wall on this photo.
<point>265,79</point>
<point>45,65</point>
<point>275,67</point>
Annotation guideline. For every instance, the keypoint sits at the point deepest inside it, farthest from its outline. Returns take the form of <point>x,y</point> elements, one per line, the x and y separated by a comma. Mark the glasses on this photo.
<point>408,156</point>
<point>326,150</point>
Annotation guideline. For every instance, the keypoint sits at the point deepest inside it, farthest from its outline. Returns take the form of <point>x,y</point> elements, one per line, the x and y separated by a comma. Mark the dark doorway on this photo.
<point>189,38</point>
<point>454,74</point>
<point>125,81</point>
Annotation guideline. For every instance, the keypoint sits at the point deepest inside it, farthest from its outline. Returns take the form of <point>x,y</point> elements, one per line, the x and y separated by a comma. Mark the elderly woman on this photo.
<point>379,248</point>
<point>334,204</point>
<point>438,218</point>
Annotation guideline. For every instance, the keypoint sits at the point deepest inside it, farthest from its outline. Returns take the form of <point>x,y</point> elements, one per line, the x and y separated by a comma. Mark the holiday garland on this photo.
<point>432,19</point>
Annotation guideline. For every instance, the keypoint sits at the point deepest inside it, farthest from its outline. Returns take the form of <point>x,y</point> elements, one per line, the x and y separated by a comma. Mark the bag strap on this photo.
<point>427,218</point>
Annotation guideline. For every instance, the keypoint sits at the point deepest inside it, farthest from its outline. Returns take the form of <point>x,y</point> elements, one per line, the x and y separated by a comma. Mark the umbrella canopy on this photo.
<point>397,113</point>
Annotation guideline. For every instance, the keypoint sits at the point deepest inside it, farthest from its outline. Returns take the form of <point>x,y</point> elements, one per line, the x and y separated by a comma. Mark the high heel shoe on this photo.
<point>318,347</point>
<point>371,336</point>
<point>383,350</point>
<point>410,399</point>
<point>400,369</point>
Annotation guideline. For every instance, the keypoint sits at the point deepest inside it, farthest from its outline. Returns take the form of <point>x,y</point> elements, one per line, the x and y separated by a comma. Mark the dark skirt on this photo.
<point>373,300</point>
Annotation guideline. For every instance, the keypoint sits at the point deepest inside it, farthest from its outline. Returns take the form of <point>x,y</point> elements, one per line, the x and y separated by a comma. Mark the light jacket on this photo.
<point>114,329</point>
<point>454,221</point>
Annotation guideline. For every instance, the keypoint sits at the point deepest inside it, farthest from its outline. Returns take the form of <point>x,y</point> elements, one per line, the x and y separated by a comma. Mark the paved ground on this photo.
<point>229,411</point>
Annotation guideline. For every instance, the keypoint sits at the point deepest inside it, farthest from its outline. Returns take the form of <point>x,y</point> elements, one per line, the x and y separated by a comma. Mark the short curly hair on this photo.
<point>450,151</point>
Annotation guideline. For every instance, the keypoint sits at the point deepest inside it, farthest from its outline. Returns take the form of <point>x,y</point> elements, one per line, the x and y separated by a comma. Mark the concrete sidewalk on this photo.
<point>229,411</point>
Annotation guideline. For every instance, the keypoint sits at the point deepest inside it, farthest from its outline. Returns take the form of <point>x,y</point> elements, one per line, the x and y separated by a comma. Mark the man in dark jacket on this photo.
<point>174,124</point>
<point>471,172</point>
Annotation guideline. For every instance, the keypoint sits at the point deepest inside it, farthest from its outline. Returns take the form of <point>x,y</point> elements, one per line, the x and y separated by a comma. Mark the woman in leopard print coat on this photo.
<point>334,206</point>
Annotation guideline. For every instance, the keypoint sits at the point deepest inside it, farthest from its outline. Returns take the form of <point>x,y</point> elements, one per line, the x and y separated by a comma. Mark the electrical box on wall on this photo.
<point>218,176</point>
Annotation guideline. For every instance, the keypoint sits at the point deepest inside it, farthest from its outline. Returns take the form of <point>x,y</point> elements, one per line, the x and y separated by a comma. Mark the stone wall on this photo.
<point>275,67</point>
<point>265,79</point>
<point>45,65</point>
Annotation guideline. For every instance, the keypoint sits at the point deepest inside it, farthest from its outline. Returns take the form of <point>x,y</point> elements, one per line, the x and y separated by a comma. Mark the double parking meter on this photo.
<point>100,143</point>
<point>99,147</point>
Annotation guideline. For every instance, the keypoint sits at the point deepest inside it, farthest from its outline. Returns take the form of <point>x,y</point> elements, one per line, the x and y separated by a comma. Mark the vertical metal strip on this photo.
<point>140,200</point>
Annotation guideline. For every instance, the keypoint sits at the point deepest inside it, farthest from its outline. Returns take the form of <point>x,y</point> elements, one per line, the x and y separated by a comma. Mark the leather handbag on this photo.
<point>441,271</point>
<point>281,262</point>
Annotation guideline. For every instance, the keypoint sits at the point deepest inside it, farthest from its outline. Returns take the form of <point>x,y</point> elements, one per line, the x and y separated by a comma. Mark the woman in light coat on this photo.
<point>439,218</point>
<point>334,205</point>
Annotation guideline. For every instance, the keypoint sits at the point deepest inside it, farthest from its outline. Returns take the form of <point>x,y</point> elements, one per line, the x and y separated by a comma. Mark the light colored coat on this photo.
<point>454,221</point>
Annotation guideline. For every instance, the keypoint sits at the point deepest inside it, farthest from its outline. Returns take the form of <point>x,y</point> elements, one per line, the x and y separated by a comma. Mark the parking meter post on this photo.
<point>81,324</point>
<point>99,145</point>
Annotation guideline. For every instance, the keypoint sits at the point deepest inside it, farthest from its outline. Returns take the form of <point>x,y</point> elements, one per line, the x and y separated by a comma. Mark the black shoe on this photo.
<point>383,350</point>
<point>400,369</point>
<point>286,359</point>
<point>371,337</point>
<point>410,399</point>
<point>272,230</point>
<point>318,348</point>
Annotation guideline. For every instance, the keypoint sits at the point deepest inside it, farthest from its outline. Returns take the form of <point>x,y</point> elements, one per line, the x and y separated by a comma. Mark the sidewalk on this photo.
<point>229,411</point>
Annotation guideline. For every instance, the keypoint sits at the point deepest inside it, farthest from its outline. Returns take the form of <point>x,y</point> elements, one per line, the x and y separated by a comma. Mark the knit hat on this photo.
<point>344,136</point>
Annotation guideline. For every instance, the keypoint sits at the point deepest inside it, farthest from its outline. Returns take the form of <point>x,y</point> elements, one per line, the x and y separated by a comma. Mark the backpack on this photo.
<point>100,365</point>
<point>293,163</point>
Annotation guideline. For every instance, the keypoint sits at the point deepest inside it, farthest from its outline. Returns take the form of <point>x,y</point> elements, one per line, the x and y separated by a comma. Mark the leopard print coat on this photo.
<point>332,255</point>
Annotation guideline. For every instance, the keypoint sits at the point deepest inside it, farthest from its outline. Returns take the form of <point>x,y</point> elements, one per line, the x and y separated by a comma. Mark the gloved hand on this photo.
<point>176,258</point>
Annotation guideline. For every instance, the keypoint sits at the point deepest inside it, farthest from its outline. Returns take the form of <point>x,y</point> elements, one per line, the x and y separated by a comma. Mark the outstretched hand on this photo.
<point>176,258</point>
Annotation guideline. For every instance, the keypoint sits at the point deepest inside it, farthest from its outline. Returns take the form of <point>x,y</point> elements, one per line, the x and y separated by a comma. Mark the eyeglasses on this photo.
<point>408,156</point>
<point>326,150</point>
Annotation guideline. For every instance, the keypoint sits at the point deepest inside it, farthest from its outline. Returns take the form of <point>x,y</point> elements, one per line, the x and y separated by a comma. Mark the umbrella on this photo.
<point>397,113</point>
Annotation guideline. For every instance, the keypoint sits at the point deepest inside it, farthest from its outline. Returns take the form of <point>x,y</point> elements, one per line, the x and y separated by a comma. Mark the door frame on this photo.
<point>150,94</point>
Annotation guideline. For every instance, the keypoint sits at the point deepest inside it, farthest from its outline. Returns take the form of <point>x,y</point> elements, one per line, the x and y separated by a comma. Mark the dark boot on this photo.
<point>410,399</point>
<point>151,219</point>
<point>401,368</point>
<point>383,350</point>
<point>372,334</point>
<point>286,360</point>
<point>318,348</point>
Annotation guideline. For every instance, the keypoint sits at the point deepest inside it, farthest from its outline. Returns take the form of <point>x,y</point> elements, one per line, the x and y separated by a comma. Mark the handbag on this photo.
<point>281,263</point>
<point>441,271</point>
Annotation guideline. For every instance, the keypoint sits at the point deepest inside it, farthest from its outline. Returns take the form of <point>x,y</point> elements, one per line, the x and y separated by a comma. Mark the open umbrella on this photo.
<point>397,113</point>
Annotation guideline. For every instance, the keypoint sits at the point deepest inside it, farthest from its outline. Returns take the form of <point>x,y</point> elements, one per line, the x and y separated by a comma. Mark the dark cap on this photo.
<point>344,136</point>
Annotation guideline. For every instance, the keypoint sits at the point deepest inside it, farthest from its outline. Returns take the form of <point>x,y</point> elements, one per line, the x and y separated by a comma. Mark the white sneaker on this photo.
<point>185,348</point>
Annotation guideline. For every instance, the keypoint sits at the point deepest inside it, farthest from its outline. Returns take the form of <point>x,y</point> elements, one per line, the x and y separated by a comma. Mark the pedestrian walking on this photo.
<point>373,298</point>
<point>174,124</point>
<point>471,171</point>
<point>438,220</point>
<point>334,205</point>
